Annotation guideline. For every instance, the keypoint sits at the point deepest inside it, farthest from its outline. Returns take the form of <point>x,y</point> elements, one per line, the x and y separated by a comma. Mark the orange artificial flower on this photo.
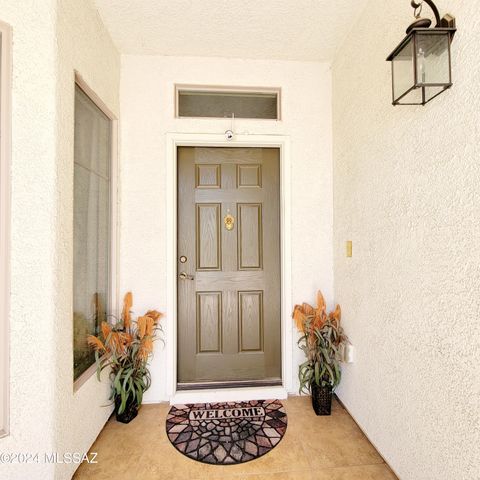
<point>307,316</point>
<point>149,326</point>
<point>96,343</point>
<point>127,306</point>
<point>145,348</point>
<point>106,329</point>
<point>141,326</point>
<point>336,314</point>
<point>155,315</point>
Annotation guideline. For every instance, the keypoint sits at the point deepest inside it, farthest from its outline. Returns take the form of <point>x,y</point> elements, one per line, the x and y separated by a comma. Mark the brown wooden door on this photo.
<point>228,265</point>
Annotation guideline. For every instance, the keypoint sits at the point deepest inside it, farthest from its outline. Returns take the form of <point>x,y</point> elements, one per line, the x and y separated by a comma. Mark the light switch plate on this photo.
<point>349,248</point>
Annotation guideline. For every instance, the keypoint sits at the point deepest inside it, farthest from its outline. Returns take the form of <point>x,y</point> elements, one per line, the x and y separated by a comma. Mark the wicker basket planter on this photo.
<point>322,399</point>
<point>130,412</point>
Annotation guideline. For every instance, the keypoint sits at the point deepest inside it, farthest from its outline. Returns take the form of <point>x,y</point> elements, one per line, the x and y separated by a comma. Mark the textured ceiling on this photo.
<point>273,29</point>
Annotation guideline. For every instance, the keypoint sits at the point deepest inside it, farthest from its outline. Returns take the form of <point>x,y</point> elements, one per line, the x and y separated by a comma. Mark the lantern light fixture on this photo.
<point>421,64</point>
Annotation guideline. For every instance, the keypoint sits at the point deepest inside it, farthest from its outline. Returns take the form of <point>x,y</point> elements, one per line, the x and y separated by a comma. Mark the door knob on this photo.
<point>186,276</point>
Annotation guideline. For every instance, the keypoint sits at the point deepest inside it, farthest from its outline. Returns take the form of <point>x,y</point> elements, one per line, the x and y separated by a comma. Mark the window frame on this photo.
<point>114,231</point>
<point>179,87</point>
<point>5,162</point>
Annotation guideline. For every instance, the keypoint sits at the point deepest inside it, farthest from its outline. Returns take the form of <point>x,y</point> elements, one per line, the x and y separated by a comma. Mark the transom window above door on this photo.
<point>225,102</point>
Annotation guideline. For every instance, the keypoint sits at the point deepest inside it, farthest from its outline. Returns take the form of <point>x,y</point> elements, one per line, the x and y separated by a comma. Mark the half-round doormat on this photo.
<point>226,433</point>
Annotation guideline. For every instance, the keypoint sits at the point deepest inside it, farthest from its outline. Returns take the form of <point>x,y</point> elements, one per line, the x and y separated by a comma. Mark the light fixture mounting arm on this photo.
<point>447,21</point>
<point>417,4</point>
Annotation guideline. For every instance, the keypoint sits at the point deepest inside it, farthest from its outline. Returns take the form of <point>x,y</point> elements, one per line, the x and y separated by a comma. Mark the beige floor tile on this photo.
<point>297,475</point>
<point>287,456</point>
<point>338,451</point>
<point>331,441</point>
<point>309,450</point>
<point>366,472</point>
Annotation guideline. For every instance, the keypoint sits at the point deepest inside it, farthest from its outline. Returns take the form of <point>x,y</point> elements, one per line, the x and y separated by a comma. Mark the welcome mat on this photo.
<point>226,433</point>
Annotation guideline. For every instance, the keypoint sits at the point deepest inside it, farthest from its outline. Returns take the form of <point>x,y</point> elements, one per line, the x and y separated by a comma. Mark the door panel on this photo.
<point>249,176</point>
<point>207,176</point>
<point>250,238</point>
<point>209,322</point>
<point>208,236</point>
<point>229,285</point>
<point>250,322</point>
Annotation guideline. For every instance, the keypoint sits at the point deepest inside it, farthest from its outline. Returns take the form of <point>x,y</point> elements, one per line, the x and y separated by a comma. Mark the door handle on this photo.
<point>186,276</point>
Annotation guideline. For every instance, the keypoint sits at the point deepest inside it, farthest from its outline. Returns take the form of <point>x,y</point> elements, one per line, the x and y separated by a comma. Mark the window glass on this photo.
<point>222,104</point>
<point>91,268</point>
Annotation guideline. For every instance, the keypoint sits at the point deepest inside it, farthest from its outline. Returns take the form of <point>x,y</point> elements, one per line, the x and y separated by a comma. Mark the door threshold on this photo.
<point>229,384</point>
<point>215,395</point>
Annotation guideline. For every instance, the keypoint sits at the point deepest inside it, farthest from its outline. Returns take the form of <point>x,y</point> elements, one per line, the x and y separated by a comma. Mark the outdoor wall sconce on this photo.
<point>421,64</point>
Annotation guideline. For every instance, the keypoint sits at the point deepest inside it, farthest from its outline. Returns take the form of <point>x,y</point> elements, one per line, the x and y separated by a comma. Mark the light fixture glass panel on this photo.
<point>402,65</point>
<point>432,55</point>
<point>431,92</point>
<point>413,97</point>
<point>222,104</point>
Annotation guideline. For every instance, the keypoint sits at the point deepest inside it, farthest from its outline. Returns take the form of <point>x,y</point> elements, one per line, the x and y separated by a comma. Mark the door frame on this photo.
<point>282,142</point>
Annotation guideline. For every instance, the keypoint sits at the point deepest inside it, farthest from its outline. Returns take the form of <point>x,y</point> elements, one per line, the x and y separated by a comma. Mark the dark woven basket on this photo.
<point>322,399</point>
<point>130,412</point>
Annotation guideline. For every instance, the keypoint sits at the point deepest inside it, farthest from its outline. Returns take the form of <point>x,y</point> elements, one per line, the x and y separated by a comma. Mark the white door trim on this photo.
<point>282,142</point>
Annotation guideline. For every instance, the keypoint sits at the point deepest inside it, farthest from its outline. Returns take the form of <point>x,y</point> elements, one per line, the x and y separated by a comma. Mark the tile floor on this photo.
<point>314,448</point>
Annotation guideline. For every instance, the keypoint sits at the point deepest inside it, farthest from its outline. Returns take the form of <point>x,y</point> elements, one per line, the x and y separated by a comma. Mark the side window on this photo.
<point>92,235</point>
<point>5,73</point>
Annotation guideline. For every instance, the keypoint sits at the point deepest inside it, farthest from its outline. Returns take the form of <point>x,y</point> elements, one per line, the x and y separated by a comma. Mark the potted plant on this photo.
<point>126,348</point>
<point>321,339</point>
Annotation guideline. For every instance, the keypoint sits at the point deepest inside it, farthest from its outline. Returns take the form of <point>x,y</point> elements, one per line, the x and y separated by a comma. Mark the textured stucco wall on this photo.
<point>272,29</point>
<point>147,96</point>
<point>85,46</point>
<point>33,213</point>
<point>406,182</point>
<point>50,39</point>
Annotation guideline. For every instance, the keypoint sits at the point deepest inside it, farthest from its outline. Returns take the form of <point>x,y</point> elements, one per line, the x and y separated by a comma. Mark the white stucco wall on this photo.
<point>406,183</point>
<point>147,107</point>
<point>50,40</point>
<point>83,46</point>
<point>33,213</point>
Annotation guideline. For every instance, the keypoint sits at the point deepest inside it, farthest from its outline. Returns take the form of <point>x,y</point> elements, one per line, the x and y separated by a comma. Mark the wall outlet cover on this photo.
<point>348,353</point>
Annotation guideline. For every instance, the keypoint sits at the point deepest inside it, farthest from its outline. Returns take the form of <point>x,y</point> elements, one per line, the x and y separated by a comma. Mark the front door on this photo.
<point>228,266</point>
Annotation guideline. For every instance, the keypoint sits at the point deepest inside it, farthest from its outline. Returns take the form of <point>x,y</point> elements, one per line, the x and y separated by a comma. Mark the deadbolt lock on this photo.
<point>183,259</point>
